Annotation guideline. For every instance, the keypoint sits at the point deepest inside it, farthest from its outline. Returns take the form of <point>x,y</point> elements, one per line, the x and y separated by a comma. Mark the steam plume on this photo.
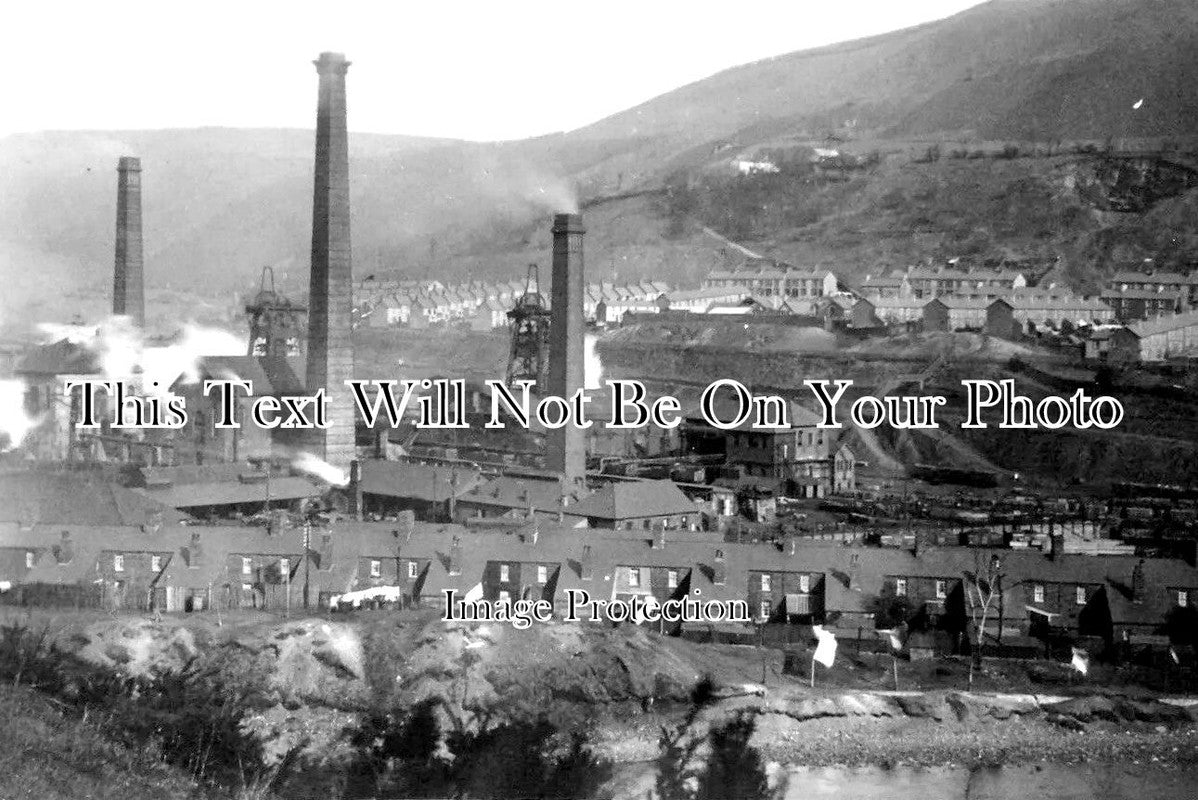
<point>123,354</point>
<point>15,421</point>
<point>317,467</point>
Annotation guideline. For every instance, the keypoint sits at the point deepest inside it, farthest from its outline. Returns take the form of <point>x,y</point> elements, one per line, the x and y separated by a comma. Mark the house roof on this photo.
<point>425,482</point>
<point>633,500</point>
<point>960,303</point>
<point>1164,324</point>
<point>1137,276</point>
<point>234,492</point>
<point>1055,302</point>
<point>853,575</point>
<point>517,493</point>
<point>63,357</point>
<point>72,498</point>
<point>1141,294</point>
<point>912,303</point>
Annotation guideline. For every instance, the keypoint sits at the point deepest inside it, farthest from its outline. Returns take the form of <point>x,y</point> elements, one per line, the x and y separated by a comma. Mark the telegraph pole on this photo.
<point>307,555</point>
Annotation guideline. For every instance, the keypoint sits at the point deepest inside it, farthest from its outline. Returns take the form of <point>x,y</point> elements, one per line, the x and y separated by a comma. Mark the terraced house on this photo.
<point>1043,599</point>
<point>773,279</point>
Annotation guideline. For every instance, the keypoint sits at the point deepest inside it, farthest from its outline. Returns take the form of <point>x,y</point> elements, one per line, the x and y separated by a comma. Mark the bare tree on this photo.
<point>982,588</point>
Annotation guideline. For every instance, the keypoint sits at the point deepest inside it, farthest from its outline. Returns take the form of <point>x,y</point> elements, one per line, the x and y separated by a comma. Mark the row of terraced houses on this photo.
<point>415,304</point>
<point>169,565</point>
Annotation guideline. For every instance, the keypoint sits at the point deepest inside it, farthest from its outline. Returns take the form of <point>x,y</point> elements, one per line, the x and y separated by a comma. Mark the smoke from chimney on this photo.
<point>566,446</point>
<point>330,297</point>
<point>128,281</point>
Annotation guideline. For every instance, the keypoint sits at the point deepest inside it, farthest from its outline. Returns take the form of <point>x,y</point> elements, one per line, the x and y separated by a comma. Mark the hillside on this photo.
<point>220,204</point>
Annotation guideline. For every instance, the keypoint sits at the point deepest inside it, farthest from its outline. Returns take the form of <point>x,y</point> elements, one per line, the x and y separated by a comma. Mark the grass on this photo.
<point>48,755</point>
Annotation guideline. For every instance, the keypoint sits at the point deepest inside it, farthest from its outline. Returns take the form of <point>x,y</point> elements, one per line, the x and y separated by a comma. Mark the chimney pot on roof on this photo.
<point>586,563</point>
<point>455,556</point>
<point>65,551</point>
<point>326,551</point>
<point>195,551</point>
<point>1056,545</point>
<point>1138,586</point>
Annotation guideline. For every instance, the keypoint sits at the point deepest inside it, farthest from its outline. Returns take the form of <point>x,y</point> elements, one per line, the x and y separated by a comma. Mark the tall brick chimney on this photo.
<point>566,446</point>
<point>330,288</point>
<point>128,280</point>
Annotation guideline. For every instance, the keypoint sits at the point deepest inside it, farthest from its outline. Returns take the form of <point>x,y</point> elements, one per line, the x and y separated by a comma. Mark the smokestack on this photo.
<point>566,446</point>
<point>330,288</point>
<point>128,281</point>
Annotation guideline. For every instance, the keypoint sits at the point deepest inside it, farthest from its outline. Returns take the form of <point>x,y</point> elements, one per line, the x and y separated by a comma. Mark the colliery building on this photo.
<point>801,459</point>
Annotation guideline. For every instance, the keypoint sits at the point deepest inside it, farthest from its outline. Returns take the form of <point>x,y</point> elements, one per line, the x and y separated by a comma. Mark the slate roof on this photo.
<point>853,575</point>
<point>63,357</point>
<point>517,493</point>
<point>1164,324</point>
<point>1135,276</point>
<point>633,500</point>
<point>1141,294</point>
<point>425,482</point>
<point>72,498</point>
<point>219,493</point>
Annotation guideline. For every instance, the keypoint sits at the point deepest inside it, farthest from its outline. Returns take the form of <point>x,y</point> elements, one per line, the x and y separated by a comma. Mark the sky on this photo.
<point>469,69</point>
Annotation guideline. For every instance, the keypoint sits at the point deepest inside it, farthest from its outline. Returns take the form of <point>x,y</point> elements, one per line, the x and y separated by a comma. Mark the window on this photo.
<point>765,609</point>
<point>412,569</point>
<point>1038,593</point>
<point>765,583</point>
<point>504,573</point>
<point>672,579</point>
<point>634,576</point>
<point>900,587</point>
<point>504,597</point>
<point>804,584</point>
<point>155,563</point>
<point>247,566</point>
<point>247,588</point>
<point>941,590</point>
<point>28,559</point>
<point>285,566</point>
<point>542,573</point>
<point>118,563</point>
<point>376,568</point>
<point>1080,595</point>
<point>1183,598</point>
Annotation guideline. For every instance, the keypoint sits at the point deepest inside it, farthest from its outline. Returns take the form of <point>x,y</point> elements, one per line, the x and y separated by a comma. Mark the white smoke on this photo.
<point>317,467</point>
<point>15,421</point>
<point>181,361</point>
<point>124,356</point>
<point>554,194</point>
<point>592,365</point>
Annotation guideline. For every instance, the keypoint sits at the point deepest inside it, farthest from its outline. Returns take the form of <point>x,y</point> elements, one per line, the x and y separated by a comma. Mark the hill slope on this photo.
<point>220,204</point>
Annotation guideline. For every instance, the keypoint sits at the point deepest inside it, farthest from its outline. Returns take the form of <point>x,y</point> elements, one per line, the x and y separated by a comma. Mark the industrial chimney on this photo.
<point>128,282</point>
<point>566,446</point>
<point>330,359</point>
